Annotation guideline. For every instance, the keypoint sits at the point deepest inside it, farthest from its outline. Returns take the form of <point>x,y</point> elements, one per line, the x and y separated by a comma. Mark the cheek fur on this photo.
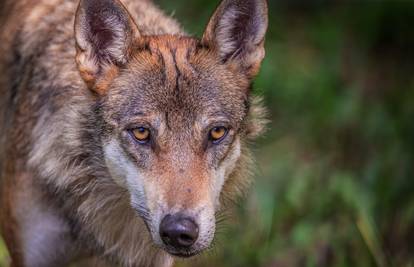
<point>225,168</point>
<point>124,172</point>
<point>217,153</point>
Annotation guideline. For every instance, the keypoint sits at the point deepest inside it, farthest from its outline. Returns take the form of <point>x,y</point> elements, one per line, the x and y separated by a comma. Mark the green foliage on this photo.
<point>3,254</point>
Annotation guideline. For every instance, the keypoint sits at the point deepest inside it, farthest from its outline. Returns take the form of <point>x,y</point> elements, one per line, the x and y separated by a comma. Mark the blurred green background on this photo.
<point>334,184</point>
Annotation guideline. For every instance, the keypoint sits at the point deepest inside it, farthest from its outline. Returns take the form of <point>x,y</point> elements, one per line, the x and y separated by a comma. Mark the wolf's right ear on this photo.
<point>104,32</point>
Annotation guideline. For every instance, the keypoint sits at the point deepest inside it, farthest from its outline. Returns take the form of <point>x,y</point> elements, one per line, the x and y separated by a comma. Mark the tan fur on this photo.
<point>74,79</point>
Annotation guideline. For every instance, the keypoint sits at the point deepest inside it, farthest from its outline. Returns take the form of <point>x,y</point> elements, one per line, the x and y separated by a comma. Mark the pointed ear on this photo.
<point>236,32</point>
<point>104,32</point>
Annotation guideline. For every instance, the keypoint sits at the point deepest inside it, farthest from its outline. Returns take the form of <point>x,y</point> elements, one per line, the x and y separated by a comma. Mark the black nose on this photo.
<point>178,231</point>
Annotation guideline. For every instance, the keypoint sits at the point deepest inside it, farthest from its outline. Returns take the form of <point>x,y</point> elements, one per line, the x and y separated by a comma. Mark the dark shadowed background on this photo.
<point>334,184</point>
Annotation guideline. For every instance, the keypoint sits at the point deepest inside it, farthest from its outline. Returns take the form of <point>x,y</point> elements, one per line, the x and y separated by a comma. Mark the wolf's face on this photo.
<point>174,111</point>
<point>175,137</point>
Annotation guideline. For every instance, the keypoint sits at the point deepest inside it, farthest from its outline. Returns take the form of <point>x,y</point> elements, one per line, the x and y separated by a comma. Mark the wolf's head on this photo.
<point>176,112</point>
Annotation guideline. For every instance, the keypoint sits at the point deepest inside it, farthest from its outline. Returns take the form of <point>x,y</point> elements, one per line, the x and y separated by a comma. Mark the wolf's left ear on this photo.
<point>237,31</point>
<point>104,32</point>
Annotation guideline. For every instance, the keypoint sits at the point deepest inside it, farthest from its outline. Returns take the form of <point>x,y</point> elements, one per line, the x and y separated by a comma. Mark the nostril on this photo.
<point>186,240</point>
<point>186,237</point>
<point>178,231</point>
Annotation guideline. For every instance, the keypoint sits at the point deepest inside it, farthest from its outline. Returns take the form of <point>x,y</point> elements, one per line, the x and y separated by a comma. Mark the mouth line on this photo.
<point>183,254</point>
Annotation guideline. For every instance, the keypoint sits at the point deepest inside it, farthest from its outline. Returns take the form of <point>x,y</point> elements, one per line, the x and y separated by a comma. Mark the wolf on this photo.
<point>121,136</point>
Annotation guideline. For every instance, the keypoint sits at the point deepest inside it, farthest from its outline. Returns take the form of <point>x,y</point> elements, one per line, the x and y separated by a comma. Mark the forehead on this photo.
<point>176,75</point>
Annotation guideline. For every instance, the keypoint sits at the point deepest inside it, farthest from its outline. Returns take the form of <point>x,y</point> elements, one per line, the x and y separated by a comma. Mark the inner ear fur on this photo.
<point>104,33</point>
<point>236,31</point>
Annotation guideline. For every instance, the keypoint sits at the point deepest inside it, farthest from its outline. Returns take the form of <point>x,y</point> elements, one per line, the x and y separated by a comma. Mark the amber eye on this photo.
<point>141,134</point>
<point>218,133</point>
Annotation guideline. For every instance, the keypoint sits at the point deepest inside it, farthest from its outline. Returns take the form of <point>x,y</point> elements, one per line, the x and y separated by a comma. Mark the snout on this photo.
<point>178,231</point>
